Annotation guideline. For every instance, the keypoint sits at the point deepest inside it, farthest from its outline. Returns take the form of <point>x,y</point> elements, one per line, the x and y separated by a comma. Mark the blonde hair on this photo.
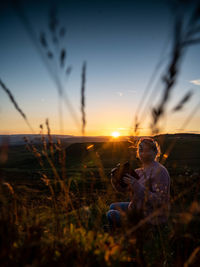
<point>153,145</point>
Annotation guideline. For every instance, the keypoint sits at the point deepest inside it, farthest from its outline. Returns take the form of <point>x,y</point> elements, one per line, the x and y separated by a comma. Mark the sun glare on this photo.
<point>115,134</point>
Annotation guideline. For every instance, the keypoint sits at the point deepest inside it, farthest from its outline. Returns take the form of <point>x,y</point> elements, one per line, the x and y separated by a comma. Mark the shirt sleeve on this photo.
<point>117,186</point>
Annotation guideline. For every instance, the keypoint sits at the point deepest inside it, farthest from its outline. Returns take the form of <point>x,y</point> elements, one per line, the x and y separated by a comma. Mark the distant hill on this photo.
<point>18,139</point>
<point>179,135</point>
<point>92,153</point>
<point>184,151</point>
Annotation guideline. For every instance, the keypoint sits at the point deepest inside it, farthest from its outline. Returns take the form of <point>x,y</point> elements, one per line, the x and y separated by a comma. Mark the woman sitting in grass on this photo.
<point>149,188</point>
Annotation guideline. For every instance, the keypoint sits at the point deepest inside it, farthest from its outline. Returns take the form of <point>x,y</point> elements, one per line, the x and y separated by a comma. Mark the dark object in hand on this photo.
<point>120,171</point>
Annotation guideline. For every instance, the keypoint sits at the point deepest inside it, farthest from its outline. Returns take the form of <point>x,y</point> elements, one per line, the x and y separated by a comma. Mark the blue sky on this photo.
<point>121,42</point>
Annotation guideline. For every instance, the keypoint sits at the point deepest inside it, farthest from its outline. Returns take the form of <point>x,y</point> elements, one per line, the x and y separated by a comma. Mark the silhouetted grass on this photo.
<point>65,222</point>
<point>83,98</point>
<point>14,102</point>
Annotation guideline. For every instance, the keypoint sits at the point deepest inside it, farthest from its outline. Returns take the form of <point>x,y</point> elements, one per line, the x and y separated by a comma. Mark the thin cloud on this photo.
<point>129,91</point>
<point>120,93</point>
<point>196,82</point>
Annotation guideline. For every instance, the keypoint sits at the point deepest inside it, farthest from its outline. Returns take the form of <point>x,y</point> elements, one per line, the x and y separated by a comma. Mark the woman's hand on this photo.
<point>129,180</point>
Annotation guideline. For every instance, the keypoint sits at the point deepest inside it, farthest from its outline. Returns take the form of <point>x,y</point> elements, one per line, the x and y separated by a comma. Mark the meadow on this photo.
<point>54,196</point>
<point>54,200</point>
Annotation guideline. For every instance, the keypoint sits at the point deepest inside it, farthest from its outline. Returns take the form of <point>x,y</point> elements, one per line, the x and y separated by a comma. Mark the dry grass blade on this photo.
<point>12,99</point>
<point>140,108</point>
<point>49,137</point>
<point>43,40</point>
<point>33,36</point>
<point>181,41</point>
<point>192,257</point>
<point>185,99</point>
<point>62,57</point>
<point>10,188</point>
<point>83,97</point>
<point>53,22</point>
<point>192,42</point>
<point>170,77</point>
<point>194,31</point>
<point>137,124</point>
<point>196,14</point>
<point>68,70</point>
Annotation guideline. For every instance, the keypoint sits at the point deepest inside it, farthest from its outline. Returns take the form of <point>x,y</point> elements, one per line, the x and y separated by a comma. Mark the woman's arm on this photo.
<point>160,188</point>
<point>115,180</point>
<point>116,185</point>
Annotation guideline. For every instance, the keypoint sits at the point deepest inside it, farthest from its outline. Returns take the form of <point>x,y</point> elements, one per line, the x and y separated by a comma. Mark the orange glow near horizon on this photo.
<point>15,125</point>
<point>114,135</point>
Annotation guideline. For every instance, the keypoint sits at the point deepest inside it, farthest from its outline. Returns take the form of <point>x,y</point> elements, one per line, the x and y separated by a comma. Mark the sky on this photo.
<point>121,42</point>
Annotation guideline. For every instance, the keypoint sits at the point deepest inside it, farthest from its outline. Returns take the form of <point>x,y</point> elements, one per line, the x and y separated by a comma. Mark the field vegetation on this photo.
<point>54,202</point>
<point>54,197</point>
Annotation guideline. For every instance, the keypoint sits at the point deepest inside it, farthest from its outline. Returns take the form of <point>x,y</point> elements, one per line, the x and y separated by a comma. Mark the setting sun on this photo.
<point>115,134</point>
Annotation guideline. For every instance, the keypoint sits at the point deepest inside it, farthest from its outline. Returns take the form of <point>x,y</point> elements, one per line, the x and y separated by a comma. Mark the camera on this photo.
<point>120,171</point>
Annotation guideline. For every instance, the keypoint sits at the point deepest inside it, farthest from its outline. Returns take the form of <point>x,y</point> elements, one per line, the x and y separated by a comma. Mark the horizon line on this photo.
<point>71,135</point>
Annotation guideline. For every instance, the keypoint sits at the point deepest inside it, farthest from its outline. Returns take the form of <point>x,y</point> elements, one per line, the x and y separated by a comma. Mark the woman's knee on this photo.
<point>115,206</point>
<point>119,206</point>
<point>113,217</point>
<point>112,206</point>
<point>109,214</point>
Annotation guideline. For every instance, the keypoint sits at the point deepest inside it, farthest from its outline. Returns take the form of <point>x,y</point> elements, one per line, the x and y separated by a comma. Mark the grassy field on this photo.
<point>54,201</point>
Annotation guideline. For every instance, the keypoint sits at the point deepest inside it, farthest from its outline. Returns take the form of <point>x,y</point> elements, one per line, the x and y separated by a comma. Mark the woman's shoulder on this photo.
<point>161,170</point>
<point>162,167</point>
